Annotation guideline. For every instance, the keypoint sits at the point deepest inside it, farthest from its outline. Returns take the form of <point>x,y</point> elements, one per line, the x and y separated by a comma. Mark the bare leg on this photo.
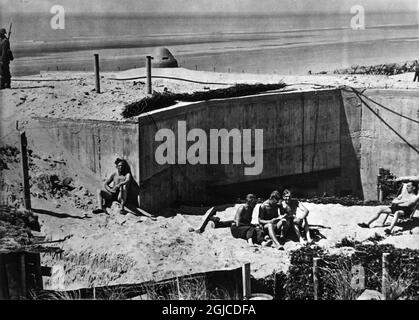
<point>307,230</point>
<point>271,232</point>
<point>378,214</point>
<point>124,191</point>
<point>396,218</point>
<point>122,197</point>
<point>297,232</point>
<point>283,226</point>
<point>385,219</point>
<point>100,200</point>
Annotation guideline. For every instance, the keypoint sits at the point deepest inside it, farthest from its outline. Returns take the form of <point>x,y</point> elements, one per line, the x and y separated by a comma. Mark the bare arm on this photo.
<point>237,217</point>
<point>125,182</point>
<point>304,209</point>
<point>409,202</point>
<point>398,199</point>
<point>108,182</point>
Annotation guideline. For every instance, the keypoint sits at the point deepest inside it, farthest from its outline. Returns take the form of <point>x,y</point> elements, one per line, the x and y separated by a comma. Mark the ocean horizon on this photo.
<point>259,43</point>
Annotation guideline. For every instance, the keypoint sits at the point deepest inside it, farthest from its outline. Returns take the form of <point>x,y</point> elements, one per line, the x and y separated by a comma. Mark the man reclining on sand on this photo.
<point>288,209</point>
<point>242,227</point>
<point>270,220</point>
<point>115,187</point>
<point>401,207</point>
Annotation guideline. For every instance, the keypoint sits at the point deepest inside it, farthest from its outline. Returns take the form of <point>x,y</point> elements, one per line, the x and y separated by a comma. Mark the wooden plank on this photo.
<point>13,278</point>
<point>4,286</point>
<point>25,170</point>
<point>247,292</point>
<point>23,287</point>
<point>385,277</point>
<point>315,278</point>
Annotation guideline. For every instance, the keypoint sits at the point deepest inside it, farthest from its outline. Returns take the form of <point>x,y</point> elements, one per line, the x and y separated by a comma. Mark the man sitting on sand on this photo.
<point>242,227</point>
<point>288,208</point>
<point>115,187</point>
<point>270,220</point>
<point>401,207</point>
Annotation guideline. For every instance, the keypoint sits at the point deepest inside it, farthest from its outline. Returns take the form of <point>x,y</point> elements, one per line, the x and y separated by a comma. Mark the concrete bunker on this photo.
<point>315,142</point>
<point>163,58</point>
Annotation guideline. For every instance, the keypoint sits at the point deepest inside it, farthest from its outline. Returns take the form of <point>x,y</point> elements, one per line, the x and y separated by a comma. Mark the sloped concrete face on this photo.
<point>163,58</point>
<point>96,144</point>
<point>380,145</point>
<point>311,143</point>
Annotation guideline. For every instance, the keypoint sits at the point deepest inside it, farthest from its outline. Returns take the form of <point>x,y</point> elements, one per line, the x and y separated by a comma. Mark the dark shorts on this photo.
<point>406,210</point>
<point>247,232</point>
<point>109,197</point>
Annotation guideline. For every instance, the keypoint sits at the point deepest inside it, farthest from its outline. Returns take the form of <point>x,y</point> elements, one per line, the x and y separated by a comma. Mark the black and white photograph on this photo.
<point>223,150</point>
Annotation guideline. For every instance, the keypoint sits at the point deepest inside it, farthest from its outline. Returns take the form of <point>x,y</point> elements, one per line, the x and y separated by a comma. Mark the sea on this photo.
<point>268,43</point>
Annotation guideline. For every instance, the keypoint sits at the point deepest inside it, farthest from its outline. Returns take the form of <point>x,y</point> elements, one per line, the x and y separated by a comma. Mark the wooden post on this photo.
<point>148,67</point>
<point>94,293</point>
<point>315,278</point>
<point>178,289</point>
<point>24,292</point>
<point>25,170</point>
<point>384,281</point>
<point>246,281</point>
<point>97,75</point>
<point>4,285</point>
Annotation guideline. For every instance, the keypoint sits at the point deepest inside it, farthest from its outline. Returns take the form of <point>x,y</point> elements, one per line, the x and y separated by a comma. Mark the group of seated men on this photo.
<point>276,217</point>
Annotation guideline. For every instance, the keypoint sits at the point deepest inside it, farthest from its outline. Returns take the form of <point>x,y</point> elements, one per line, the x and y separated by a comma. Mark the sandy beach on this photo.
<point>114,249</point>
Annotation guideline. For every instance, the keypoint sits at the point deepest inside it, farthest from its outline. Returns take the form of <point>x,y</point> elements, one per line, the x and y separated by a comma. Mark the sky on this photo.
<point>207,6</point>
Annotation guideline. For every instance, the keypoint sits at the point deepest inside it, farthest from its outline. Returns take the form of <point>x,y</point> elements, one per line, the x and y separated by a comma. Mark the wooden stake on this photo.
<point>246,281</point>
<point>178,289</point>
<point>384,281</point>
<point>148,67</point>
<point>23,294</point>
<point>25,171</point>
<point>97,75</point>
<point>4,285</point>
<point>315,277</point>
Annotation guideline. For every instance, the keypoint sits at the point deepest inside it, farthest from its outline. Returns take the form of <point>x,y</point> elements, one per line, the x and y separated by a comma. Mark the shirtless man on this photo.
<point>288,208</point>
<point>115,187</point>
<point>401,207</point>
<point>270,220</point>
<point>242,227</point>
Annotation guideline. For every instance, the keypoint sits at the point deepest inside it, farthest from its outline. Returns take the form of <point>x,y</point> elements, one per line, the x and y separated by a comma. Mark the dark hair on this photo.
<point>250,195</point>
<point>125,167</point>
<point>285,192</point>
<point>415,184</point>
<point>275,194</point>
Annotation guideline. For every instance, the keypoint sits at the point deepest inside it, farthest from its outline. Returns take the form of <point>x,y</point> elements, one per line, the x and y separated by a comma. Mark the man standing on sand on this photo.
<point>270,220</point>
<point>242,227</point>
<point>288,208</point>
<point>416,77</point>
<point>115,187</point>
<point>401,207</point>
<point>5,58</point>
